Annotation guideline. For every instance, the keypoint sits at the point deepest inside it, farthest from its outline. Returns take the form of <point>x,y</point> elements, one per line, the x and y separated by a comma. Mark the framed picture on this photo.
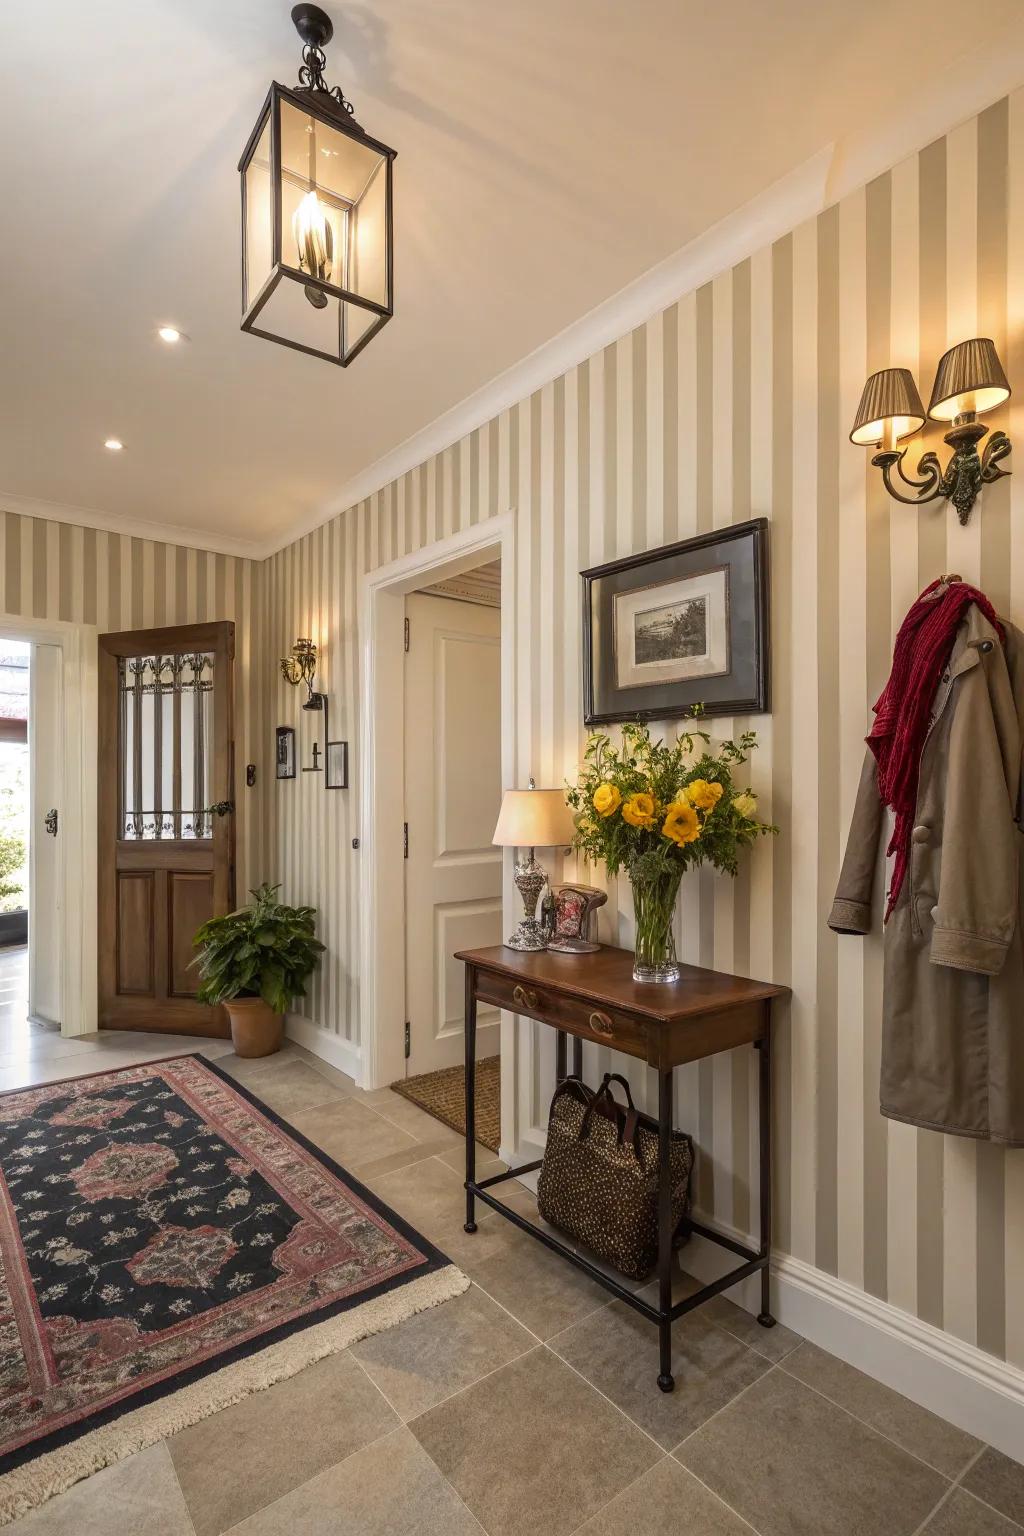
<point>674,627</point>
<point>337,765</point>
<point>284,756</point>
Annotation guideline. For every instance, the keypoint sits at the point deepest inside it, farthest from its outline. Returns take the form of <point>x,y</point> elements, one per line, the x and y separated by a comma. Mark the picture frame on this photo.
<point>284,753</point>
<point>337,765</point>
<point>667,629</point>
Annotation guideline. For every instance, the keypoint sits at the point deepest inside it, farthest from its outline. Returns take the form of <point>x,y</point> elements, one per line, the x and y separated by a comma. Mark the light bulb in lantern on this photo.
<point>314,239</point>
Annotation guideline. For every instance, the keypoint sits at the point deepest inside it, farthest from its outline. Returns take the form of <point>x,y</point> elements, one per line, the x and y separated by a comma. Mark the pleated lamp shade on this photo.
<point>890,395</point>
<point>969,377</point>
<point>534,818</point>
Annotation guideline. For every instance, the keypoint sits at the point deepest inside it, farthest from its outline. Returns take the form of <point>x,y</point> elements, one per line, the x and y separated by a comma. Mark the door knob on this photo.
<point>50,822</point>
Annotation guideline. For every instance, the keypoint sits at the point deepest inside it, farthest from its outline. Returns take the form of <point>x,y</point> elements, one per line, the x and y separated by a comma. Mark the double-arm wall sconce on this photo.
<point>969,381</point>
<point>300,667</point>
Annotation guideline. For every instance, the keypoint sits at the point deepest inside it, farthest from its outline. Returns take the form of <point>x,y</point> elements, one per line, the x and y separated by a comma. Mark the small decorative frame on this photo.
<point>669,628</point>
<point>284,756</point>
<point>337,765</point>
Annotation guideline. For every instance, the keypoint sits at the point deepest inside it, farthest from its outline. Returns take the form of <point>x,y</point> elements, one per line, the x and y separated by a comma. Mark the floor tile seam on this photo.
<point>1016,1524</point>
<point>718,1497</point>
<point>458,1391</point>
<point>505,1309</point>
<point>713,1416</point>
<point>594,1388</point>
<point>289,1492</point>
<point>581,1319</point>
<point>874,1428</point>
<point>181,1491</point>
<point>405,1128</point>
<point>364,1171</point>
<point>949,1492</point>
<point>631,1484</point>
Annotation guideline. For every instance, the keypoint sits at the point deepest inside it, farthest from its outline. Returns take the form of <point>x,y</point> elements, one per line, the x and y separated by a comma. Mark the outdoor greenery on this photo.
<point>13,825</point>
<point>265,949</point>
<point>12,858</point>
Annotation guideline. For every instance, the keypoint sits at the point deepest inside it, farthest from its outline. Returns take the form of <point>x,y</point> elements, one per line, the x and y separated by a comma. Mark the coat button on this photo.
<point>945,677</point>
<point>921,833</point>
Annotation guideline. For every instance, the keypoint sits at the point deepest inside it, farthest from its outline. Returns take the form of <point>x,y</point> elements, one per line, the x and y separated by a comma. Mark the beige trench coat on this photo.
<point>953,1009</point>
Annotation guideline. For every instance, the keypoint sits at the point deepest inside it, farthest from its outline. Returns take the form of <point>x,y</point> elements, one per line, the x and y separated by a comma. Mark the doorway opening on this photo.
<point>454,769</point>
<point>453,872</point>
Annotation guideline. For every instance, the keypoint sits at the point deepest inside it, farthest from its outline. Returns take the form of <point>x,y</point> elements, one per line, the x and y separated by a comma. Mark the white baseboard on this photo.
<point>330,1048</point>
<point>956,1380</point>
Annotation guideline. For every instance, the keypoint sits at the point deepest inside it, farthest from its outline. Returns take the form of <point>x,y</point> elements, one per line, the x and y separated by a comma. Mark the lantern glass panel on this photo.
<point>259,257</point>
<point>333,205</point>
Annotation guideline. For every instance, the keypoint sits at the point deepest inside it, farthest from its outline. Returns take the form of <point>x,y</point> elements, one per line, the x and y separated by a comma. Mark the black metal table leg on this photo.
<point>560,1056</point>
<point>470,1028</point>
<point>764,1049</point>
<point>577,1057</point>
<point>665,1378</point>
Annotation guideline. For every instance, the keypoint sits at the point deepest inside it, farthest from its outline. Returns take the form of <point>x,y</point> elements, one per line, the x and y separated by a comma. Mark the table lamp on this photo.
<point>529,819</point>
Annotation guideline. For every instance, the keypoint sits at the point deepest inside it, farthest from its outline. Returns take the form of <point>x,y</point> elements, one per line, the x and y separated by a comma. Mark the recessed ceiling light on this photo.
<point>170,334</point>
<point>114,444</point>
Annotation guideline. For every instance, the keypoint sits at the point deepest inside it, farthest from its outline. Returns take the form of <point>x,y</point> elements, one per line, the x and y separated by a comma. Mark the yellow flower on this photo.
<point>606,799</point>
<point>746,805</point>
<point>681,824</point>
<point>639,810</point>
<point>704,794</point>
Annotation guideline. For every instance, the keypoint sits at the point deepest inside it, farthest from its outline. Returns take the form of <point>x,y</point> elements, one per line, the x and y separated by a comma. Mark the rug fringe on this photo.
<point>30,1485</point>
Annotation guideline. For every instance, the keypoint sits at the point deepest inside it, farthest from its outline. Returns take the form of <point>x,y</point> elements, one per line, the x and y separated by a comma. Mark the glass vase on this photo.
<point>654,906</point>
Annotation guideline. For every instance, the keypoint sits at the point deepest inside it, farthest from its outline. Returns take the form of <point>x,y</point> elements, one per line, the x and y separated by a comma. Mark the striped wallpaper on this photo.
<point>51,570</point>
<point>737,402</point>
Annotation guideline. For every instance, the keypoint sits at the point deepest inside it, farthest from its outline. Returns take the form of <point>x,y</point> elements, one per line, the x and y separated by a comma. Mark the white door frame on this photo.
<point>382,889</point>
<point>77,834</point>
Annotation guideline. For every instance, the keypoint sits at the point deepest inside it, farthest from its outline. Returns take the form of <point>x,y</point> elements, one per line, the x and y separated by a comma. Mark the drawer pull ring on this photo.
<point>601,1024</point>
<point>525,996</point>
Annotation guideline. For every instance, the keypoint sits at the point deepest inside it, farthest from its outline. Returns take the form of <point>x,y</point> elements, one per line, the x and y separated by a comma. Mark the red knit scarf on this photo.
<point>902,713</point>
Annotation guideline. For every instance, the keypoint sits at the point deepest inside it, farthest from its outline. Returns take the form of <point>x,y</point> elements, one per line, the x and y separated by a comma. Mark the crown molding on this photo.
<point>131,527</point>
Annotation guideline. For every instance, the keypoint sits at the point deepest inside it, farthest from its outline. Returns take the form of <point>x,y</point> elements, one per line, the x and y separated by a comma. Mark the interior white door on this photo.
<point>452,797</point>
<point>44,858</point>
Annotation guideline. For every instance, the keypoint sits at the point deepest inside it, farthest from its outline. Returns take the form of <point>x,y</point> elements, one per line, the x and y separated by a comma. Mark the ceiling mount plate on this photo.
<point>313,25</point>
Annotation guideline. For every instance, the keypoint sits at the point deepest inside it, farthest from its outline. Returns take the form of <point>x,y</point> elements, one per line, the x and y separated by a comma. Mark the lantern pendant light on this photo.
<point>316,214</point>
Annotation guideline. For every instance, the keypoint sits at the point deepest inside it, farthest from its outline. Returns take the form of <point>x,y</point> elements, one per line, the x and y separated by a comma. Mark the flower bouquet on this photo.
<point>657,810</point>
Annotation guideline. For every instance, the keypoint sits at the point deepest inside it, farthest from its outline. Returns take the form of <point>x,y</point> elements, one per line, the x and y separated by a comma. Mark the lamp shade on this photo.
<point>890,395</point>
<point>969,377</point>
<point>534,818</point>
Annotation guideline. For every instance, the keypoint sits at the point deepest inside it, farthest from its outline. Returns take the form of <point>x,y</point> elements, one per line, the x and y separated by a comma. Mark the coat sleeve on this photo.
<point>851,910</point>
<point>976,912</point>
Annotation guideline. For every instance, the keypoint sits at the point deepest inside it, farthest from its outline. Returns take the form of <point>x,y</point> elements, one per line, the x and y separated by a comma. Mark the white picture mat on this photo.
<point>713,587</point>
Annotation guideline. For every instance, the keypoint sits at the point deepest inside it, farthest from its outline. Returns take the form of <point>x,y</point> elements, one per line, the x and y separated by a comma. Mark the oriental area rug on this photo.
<point>168,1247</point>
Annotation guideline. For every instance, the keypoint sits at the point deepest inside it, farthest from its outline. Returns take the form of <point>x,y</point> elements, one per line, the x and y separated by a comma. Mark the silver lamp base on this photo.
<point>530,881</point>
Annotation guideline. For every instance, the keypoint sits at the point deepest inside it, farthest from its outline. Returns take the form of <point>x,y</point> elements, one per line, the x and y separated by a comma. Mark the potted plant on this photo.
<point>255,961</point>
<point>657,810</point>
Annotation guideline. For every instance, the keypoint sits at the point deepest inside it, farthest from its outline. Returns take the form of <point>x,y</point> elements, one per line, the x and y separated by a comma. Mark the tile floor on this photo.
<point>527,1406</point>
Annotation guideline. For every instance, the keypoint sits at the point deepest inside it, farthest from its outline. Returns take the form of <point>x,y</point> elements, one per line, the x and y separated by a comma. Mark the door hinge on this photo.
<point>408,1040</point>
<point>407,634</point>
<point>405,839</point>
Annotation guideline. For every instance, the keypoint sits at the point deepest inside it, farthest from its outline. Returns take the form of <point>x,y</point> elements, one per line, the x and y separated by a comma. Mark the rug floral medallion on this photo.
<point>156,1223</point>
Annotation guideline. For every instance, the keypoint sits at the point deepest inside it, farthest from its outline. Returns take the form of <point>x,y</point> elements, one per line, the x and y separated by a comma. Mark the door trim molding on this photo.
<point>382,937</point>
<point>78,714</point>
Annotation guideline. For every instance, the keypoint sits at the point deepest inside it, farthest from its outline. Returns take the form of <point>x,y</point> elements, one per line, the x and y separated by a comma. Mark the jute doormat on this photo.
<point>170,1246</point>
<point>443,1095</point>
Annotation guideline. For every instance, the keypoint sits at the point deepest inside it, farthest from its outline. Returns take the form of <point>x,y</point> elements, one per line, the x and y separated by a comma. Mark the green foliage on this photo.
<point>263,950</point>
<point>683,773</point>
<point>12,857</point>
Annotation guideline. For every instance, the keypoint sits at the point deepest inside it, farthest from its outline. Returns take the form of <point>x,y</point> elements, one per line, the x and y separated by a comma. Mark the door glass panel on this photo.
<point>165,745</point>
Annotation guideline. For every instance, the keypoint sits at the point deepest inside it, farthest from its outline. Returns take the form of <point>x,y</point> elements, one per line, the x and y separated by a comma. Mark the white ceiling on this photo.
<point>549,152</point>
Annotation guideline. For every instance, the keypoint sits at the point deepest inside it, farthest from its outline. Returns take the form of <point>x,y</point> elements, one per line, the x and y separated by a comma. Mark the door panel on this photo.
<point>452,797</point>
<point>45,884</point>
<point>166,861</point>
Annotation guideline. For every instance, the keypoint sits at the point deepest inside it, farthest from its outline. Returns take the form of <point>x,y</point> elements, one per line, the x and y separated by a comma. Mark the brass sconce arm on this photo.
<point>964,475</point>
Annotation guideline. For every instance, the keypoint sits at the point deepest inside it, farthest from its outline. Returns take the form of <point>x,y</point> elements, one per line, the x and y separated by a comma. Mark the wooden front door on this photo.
<point>166,821</point>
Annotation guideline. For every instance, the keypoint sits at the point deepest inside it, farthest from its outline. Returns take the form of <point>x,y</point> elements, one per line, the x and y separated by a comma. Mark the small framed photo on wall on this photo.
<point>337,765</point>
<point>284,756</point>
<point>670,628</point>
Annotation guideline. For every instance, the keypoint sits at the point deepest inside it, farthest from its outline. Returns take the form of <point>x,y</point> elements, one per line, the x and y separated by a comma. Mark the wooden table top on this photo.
<point>607,977</point>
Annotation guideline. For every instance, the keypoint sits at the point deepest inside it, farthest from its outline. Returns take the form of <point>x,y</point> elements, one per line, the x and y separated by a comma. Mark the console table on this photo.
<point>594,997</point>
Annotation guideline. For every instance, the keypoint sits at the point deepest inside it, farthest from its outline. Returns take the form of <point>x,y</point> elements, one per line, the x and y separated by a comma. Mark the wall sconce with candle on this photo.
<point>300,667</point>
<point>969,380</point>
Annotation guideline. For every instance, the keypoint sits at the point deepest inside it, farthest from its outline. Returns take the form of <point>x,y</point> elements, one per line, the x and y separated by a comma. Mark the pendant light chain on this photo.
<point>311,76</point>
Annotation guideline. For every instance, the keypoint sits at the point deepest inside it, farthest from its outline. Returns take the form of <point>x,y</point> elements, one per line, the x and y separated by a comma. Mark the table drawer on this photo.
<point>590,1020</point>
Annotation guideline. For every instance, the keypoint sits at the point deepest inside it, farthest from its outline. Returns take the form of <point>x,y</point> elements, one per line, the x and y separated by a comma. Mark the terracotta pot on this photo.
<point>256,1030</point>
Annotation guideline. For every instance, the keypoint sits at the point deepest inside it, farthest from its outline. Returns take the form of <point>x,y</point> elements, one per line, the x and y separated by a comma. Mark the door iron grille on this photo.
<point>165,731</point>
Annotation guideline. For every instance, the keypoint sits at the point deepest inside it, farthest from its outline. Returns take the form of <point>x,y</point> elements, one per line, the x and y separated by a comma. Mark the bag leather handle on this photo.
<point>626,1118</point>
